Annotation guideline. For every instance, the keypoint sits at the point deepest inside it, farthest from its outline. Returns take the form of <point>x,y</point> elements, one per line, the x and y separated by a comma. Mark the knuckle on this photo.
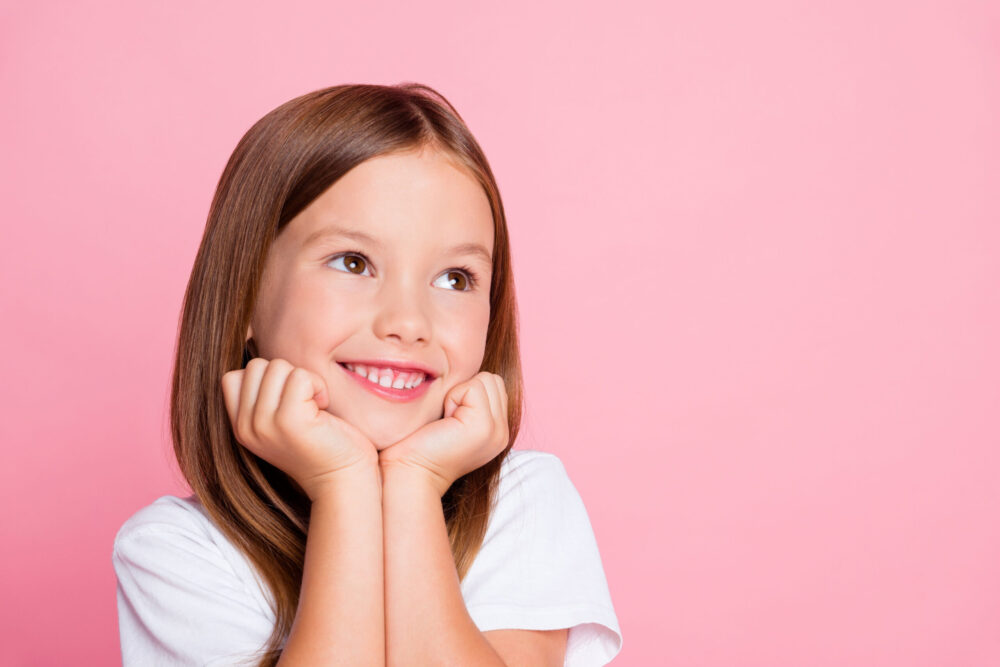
<point>229,378</point>
<point>256,363</point>
<point>258,423</point>
<point>299,374</point>
<point>282,420</point>
<point>281,364</point>
<point>239,431</point>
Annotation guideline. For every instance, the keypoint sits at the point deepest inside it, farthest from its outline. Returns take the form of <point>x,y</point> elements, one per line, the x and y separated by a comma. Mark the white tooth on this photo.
<point>373,375</point>
<point>386,379</point>
<point>400,381</point>
<point>418,381</point>
<point>361,370</point>
<point>410,377</point>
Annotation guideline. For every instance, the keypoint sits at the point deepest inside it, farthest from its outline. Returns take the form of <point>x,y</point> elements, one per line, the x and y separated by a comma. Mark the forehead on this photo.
<point>420,199</point>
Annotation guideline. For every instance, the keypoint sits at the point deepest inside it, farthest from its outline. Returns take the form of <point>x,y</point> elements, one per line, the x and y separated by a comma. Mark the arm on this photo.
<point>427,622</point>
<point>340,617</point>
<point>426,619</point>
<point>278,412</point>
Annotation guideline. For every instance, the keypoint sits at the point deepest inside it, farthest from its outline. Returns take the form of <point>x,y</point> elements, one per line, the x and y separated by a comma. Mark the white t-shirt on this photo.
<point>187,596</point>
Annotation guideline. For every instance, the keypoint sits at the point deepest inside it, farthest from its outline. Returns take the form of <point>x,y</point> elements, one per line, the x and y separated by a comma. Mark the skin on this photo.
<point>403,300</point>
<point>402,295</point>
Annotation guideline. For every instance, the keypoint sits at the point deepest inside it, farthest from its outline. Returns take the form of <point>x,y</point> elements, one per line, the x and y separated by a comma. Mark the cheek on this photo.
<point>310,322</point>
<point>468,339</point>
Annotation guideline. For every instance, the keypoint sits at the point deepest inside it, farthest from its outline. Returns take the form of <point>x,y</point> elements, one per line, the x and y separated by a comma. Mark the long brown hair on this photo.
<point>286,160</point>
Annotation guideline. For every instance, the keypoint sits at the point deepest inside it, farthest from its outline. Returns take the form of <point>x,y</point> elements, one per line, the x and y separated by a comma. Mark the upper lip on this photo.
<point>404,365</point>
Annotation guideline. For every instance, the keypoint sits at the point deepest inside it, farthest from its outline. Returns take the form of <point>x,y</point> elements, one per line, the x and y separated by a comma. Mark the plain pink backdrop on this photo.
<point>756,249</point>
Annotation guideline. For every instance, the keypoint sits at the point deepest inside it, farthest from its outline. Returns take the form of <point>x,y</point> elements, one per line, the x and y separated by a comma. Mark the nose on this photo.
<point>402,313</point>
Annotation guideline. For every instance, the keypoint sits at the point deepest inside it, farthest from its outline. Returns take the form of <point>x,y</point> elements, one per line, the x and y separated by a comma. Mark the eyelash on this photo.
<point>469,273</point>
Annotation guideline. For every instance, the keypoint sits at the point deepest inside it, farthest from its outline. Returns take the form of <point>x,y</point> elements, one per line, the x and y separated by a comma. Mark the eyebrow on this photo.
<point>331,232</point>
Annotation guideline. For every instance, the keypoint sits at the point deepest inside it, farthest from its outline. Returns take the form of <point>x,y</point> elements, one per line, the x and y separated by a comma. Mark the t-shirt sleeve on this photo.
<point>539,567</point>
<point>179,601</point>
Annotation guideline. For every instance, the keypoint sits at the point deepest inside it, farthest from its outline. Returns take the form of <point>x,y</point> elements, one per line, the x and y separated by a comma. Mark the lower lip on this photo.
<point>401,395</point>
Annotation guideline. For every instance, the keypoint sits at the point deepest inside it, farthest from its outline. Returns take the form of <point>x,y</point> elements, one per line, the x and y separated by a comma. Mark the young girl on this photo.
<point>346,393</point>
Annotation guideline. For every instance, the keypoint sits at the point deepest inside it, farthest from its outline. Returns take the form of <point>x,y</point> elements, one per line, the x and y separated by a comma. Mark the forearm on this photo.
<point>340,618</point>
<point>426,619</point>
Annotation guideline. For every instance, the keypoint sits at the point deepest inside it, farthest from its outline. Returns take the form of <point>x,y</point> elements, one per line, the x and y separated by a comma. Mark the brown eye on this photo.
<point>457,279</point>
<point>353,262</point>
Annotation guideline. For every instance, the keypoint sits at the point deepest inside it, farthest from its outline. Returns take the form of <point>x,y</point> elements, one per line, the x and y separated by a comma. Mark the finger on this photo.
<point>231,382</point>
<point>321,393</point>
<point>503,428</point>
<point>462,398</point>
<point>487,403</point>
<point>304,391</point>
<point>492,393</point>
<point>252,375</point>
<point>502,390</point>
<point>453,399</point>
<point>269,394</point>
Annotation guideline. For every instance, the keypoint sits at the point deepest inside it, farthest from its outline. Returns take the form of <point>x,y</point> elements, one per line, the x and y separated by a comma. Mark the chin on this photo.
<point>379,446</point>
<point>380,432</point>
<point>389,435</point>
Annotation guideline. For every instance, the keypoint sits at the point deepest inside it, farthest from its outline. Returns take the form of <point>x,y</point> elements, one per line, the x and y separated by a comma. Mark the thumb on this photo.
<point>311,387</point>
<point>450,405</point>
<point>322,399</point>
<point>456,398</point>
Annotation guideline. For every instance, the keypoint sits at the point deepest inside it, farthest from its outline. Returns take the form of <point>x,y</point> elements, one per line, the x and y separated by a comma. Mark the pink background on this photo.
<point>756,247</point>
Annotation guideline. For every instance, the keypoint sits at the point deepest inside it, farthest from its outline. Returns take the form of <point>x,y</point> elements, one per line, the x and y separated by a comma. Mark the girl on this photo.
<point>346,393</point>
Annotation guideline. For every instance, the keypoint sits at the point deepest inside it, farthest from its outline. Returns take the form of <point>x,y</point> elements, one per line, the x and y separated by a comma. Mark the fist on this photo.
<point>277,412</point>
<point>472,432</point>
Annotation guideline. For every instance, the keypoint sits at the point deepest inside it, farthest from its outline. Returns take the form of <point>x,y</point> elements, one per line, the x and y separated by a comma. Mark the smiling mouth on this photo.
<point>388,383</point>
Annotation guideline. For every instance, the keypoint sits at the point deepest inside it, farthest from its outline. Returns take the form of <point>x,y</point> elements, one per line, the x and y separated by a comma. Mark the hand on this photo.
<point>473,431</point>
<point>277,412</point>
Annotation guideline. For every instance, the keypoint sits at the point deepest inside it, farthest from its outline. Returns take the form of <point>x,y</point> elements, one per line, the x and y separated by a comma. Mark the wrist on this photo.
<point>354,475</point>
<point>412,475</point>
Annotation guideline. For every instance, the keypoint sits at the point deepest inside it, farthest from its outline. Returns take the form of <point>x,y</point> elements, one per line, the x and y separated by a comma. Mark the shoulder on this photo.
<point>166,510</point>
<point>176,533</point>
<point>517,458</point>
<point>534,492</point>
<point>531,477</point>
<point>168,515</point>
<point>177,572</point>
<point>170,532</point>
<point>531,466</point>
<point>175,538</point>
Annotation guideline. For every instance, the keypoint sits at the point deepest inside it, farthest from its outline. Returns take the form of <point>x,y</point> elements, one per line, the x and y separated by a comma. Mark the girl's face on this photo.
<point>393,261</point>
